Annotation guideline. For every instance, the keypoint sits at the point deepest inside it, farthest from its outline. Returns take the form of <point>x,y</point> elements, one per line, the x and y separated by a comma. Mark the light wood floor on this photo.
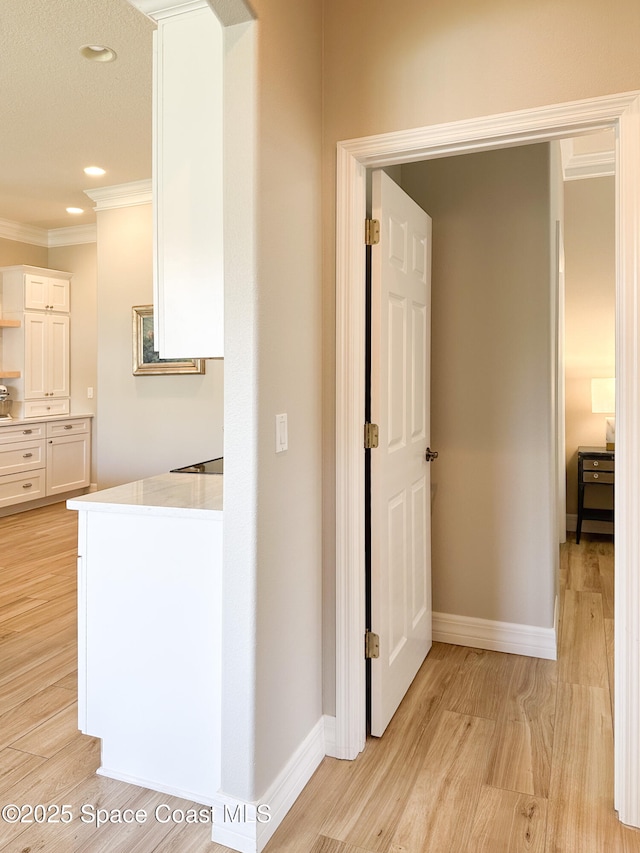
<point>488,753</point>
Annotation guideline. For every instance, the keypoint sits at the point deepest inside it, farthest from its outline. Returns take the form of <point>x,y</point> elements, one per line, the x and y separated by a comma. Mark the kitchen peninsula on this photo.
<point>149,614</point>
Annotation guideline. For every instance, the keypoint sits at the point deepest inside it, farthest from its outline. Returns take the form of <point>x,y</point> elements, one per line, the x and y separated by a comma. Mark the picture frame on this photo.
<point>146,360</point>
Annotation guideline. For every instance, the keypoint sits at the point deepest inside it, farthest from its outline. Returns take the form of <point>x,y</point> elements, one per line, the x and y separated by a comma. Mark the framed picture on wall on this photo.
<point>146,360</point>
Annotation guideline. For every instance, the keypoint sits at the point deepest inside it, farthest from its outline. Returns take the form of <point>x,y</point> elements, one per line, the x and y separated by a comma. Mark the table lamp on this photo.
<point>603,401</point>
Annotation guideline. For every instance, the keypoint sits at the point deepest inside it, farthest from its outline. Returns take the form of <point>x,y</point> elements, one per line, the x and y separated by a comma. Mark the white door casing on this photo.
<point>400,476</point>
<point>541,124</point>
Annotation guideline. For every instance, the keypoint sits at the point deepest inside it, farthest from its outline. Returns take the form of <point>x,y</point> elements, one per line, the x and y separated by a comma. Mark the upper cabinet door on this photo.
<point>59,295</point>
<point>42,293</point>
<point>36,292</point>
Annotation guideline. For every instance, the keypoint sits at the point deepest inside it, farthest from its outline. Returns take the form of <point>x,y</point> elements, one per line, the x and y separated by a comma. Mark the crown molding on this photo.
<point>121,195</point>
<point>74,235</point>
<point>229,12</point>
<point>597,164</point>
<point>24,233</point>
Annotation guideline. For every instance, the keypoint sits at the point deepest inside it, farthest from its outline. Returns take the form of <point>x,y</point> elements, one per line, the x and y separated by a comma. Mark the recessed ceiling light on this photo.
<point>94,170</point>
<point>75,210</point>
<point>98,53</point>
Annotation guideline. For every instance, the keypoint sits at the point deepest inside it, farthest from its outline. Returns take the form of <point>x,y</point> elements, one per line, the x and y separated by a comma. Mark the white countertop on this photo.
<point>19,421</point>
<point>188,495</point>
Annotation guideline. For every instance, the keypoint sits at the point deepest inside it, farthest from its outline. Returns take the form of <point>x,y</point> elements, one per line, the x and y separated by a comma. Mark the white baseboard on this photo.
<point>589,526</point>
<point>529,640</point>
<point>247,827</point>
<point>153,786</point>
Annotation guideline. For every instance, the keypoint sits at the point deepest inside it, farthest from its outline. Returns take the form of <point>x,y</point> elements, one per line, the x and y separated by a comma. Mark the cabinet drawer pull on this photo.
<point>27,485</point>
<point>595,476</point>
<point>595,463</point>
<point>27,431</point>
<point>27,455</point>
<point>68,426</point>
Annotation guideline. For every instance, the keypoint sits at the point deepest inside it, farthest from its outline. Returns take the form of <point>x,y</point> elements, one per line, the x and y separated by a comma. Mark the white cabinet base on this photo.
<point>149,646</point>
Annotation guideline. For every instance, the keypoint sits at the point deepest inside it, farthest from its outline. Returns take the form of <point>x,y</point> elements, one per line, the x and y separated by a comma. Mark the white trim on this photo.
<point>251,835</point>
<point>229,12</point>
<point>330,736</point>
<point>588,526</point>
<point>622,113</point>
<point>529,640</point>
<point>74,235</point>
<point>152,785</point>
<point>23,233</point>
<point>121,195</point>
<point>596,164</point>
<point>69,236</point>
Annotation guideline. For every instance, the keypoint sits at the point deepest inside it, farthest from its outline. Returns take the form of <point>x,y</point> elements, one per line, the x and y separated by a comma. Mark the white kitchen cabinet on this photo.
<point>46,355</point>
<point>37,301</point>
<point>40,460</point>
<point>149,631</point>
<point>68,456</point>
<point>46,293</point>
<point>189,228</point>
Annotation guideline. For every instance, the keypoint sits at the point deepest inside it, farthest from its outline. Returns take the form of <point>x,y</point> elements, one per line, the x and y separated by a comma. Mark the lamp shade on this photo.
<point>603,396</point>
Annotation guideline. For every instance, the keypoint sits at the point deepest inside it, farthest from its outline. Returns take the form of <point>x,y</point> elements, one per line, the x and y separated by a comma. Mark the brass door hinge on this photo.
<point>371,645</point>
<point>371,232</point>
<point>370,436</point>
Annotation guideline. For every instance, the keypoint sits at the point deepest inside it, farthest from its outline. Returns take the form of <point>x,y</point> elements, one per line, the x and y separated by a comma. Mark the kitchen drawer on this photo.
<point>598,477</point>
<point>74,425</point>
<point>45,408</point>
<point>21,432</point>
<point>598,464</point>
<point>16,488</point>
<point>22,456</point>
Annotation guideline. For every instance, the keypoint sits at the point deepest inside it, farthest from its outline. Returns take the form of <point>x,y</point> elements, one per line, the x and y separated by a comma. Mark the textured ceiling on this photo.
<point>60,112</point>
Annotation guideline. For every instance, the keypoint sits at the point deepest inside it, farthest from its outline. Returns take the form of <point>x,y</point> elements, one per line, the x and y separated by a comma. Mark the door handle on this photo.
<point>430,454</point>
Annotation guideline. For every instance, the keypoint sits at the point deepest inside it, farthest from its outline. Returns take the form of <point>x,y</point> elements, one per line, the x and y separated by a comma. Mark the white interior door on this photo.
<point>400,476</point>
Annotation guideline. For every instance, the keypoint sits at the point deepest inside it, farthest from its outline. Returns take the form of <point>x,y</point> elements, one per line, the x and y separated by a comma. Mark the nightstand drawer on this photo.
<point>598,477</point>
<point>598,465</point>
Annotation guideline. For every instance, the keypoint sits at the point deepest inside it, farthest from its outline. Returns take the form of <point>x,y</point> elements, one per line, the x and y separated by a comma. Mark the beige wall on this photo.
<point>288,314</point>
<point>146,424</point>
<point>414,63</point>
<point>590,315</point>
<point>12,252</point>
<point>490,396</point>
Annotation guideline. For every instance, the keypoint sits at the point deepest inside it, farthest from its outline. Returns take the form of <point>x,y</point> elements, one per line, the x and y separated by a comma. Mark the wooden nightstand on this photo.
<point>596,467</point>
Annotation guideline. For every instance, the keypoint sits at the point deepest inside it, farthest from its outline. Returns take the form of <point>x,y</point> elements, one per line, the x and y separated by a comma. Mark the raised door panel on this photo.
<point>59,294</point>
<point>67,463</point>
<point>58,356</point>
<point>35,356</point>
<point>36,292</point>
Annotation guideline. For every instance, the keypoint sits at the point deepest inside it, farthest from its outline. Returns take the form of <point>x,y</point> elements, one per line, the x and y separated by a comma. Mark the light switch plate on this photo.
<point>282,433</point>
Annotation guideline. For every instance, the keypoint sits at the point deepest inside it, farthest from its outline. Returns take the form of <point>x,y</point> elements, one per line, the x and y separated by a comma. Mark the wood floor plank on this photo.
<point>581,816</point>
<point>331,845</point>
<point>50,781</point>
<point>521,759</point>
<point>606,569</point>
<point>483,682</point>
<point>583,567</point>
<point>439,811</point>
<point>366,816</point>
<point>14,766</point>
<point>582,655</point>
<point>508,822</point>
<point>52,734</point>
<point>33,712</point>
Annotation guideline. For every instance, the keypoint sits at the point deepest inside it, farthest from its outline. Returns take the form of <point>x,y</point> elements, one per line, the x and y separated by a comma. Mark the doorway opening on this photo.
<point>539,125</point>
